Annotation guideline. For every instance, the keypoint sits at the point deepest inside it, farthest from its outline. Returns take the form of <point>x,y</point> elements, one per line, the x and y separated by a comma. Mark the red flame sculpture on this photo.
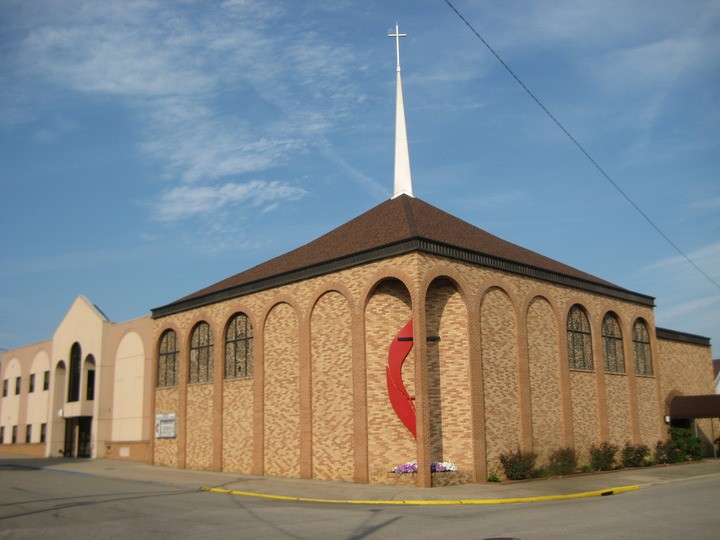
<point>402,402</point>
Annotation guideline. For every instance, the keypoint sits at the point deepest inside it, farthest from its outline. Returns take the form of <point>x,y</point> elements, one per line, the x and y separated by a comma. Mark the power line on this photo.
<point>581,148</point>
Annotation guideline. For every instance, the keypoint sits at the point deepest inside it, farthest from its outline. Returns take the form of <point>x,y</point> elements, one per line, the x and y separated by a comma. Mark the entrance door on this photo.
<point>84,427</point>
<point>78,436</point>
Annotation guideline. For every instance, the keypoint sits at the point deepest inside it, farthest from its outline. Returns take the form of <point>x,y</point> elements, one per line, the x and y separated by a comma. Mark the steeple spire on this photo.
<point>403,180</point>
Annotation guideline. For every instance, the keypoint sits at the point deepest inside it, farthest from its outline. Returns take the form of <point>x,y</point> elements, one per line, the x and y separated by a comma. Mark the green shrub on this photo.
<point>668,452</point>
<point>682,446</point>
<point>687,443</point>
<point>633,455</point>
<point>602,457</point>
<point>563,461</point>
<point>518,465</point>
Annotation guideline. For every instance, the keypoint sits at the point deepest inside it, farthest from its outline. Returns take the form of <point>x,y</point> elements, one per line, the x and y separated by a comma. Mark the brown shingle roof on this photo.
<point>372,235</point>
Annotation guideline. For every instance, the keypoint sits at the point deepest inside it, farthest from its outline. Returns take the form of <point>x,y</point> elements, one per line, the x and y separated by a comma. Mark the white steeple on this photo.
<point>403,180</point>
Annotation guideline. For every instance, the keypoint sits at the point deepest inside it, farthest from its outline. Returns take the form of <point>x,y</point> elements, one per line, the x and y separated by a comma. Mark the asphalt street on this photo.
<point>106,499</point>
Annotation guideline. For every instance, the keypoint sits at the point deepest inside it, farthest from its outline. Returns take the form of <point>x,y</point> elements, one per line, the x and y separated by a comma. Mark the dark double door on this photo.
<point>77,436</point>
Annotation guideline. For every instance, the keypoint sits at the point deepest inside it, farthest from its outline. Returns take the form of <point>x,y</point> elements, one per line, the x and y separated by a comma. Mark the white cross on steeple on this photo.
<point>397,35</point>
<point>403,179</point>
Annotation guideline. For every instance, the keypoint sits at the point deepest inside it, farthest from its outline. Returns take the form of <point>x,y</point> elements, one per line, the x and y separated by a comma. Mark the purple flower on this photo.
<point>435,466</point>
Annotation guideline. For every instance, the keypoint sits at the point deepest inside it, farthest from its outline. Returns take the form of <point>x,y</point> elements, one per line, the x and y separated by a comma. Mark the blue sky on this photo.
<point>149,149</point>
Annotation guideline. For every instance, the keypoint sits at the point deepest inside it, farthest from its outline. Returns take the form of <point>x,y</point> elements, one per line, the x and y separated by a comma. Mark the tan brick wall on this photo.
<point>332,389</point>
<point>282,392</point>
<point>166,450</point>
<point>238,429</point>
<point>449,379</point>
<point>650,412</point>
<point>686,369</point>
<point>583,390</point>
<point>23,449</point>
<point>128,450</point>
<point>545,392</point>
<point>200,440</point>
<point>500,369</point>
<point>389,441</point>
<point>618,405</point>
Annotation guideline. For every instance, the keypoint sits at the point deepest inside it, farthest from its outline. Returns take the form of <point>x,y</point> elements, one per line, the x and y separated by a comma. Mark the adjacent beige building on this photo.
<point>84,393</point>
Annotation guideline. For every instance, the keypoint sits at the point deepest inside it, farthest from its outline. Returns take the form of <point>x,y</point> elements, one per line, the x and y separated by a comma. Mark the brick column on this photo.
<point>422,397</point>
<point>360,406</point>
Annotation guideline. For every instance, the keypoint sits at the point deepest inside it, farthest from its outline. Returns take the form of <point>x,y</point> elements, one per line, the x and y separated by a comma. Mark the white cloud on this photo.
<point>186,201</point>
<point>56,128</point>
<point>147,55</point>
<point>690,307</point>
<point>175,72</point>
<point>713,203</point>
<point>372,187</point>
<point>687,301</point>
<point>651,66</point>
<point>706,257</point>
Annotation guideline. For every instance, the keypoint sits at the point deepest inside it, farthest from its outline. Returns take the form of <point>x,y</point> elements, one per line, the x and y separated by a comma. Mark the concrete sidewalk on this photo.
<point>331,491</point>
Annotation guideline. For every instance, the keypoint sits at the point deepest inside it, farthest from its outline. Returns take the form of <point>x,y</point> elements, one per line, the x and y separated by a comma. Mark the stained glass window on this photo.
<point>239,347</point>
<point>168,359</point>
<point>201,354</point>
<point>613,345</point>
<point>580,354</point>
<point>641,345</point>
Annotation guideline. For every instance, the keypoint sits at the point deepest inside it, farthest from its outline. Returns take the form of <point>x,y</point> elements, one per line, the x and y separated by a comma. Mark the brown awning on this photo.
<point>707,406</point>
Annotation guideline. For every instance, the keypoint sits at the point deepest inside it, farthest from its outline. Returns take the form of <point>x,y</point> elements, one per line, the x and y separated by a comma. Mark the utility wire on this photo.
<point>581,148</point>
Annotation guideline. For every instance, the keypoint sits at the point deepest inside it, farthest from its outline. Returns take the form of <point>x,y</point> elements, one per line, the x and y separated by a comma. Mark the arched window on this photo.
<point>641,345</point>
<point>613,345</point>
<point>90,377</point>
<point>239,347</point>
<point>168,359</point>
<point>201,354</point>
<point>579,339</point>
<point>75,370</point>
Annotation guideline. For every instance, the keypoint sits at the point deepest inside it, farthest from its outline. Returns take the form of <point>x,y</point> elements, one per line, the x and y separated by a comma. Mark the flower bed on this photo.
<point>444,473</point>
<point>436,466</point>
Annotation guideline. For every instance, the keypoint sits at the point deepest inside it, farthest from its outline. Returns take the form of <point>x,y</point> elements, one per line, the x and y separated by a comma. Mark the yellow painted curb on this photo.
<point>598,493</point>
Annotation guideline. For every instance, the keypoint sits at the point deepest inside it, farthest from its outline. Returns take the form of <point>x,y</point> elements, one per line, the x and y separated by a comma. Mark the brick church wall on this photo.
<point>618,406</point>
<point>332,389</point>
<point>545,391</point>
<point>500,374</point>
<point>649,411</point>
<point>238,426</point>
<point>686,370</point>
<point>282,392</point>
<point>584,403</point>
<point>389,441</point>
<point>690,366</point>
<point>199,430</point>
<point>449,378</point>
<point>166,450</point>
